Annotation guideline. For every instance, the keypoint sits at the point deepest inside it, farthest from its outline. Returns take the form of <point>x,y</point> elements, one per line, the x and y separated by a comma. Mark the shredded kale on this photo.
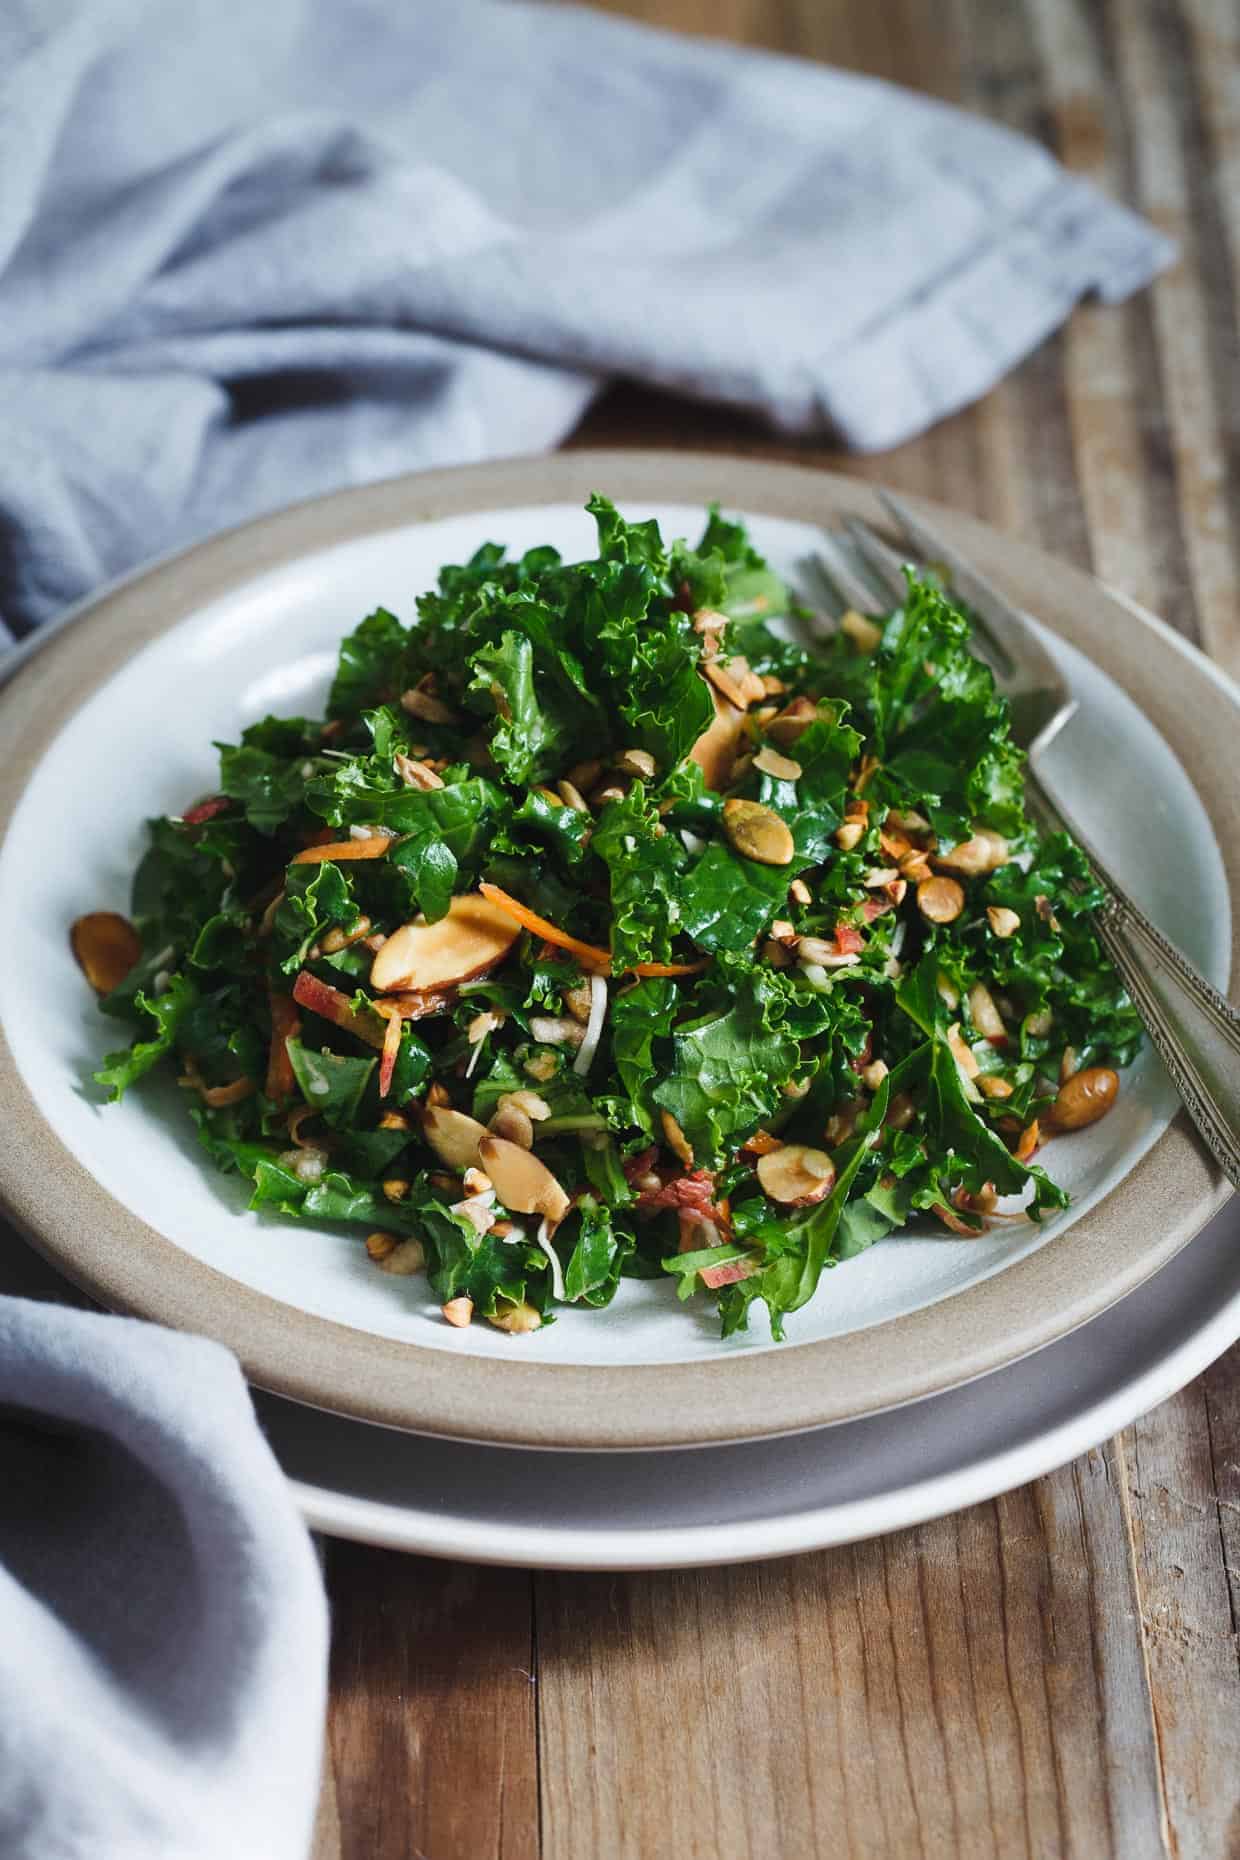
<point>537,730</point>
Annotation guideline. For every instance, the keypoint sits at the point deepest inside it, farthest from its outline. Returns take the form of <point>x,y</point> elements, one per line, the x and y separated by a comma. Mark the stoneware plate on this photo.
<point>113,720</point>
<point>830,1485</point>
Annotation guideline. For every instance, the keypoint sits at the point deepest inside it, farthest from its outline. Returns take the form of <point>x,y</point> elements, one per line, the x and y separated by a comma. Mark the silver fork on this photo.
<point>1194,1028</point>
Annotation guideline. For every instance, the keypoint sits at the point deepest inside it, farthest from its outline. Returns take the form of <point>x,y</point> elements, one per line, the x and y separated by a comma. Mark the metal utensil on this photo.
<point>1195,1029</point>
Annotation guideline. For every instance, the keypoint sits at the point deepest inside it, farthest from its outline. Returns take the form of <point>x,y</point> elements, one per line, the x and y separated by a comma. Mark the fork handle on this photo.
<point>1195,1028</point>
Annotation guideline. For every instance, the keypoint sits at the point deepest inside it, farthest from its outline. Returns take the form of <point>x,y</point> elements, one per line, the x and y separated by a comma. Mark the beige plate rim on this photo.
<point>1145,1220</point>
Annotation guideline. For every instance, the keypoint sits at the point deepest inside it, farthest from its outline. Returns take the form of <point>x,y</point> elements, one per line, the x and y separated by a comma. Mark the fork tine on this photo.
<point>880,558</point>
<point>1006,624</point>
<point>851,586</point>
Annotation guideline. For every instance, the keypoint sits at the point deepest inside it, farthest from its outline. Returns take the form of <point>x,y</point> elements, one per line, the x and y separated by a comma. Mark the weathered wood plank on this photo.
<point>974,1688</point>
<point>431,1724</point>
<point>1186,1603</point>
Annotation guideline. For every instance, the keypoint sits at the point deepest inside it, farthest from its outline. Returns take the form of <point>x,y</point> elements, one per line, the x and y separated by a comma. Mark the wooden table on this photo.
<point>1053,1673</point>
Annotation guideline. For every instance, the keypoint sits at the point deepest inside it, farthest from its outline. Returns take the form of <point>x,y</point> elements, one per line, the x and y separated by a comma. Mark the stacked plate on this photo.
<point>928,1374</point>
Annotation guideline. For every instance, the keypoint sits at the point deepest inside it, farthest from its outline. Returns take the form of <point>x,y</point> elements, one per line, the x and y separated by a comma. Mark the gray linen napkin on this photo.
<point>249,252</point>
<point>162,1623</point>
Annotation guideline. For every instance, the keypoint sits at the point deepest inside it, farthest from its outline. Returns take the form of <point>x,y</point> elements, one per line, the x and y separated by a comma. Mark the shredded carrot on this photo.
<point>669,968</point>
<point>285,1026</point>
<point>592,955</point>
<point>217,1095</point>
<point>1030,1142</point>
<point>345,849</point>
<point>589,953</point>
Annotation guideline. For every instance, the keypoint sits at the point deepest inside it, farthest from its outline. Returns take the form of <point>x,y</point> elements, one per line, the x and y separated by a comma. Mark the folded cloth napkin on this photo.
<point>162,1622</point>
<point>253,252</point>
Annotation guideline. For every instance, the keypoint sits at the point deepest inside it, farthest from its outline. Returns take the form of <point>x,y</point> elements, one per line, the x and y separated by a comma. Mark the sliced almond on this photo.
<point>572,797</point>
<point>420,703</point>
<point>847,836</point>
<point>454,1137</point>
<point>535,1108</point>
<point>523,1184</point>
<point>511,1122</point>
<point>941,900</point>
<point>677,1141</point>
<point>416,774</point>
<point>715,750</point>
<point>985,852</point>
<point>780,768</point>
<point>757,833</point>
<point>459,1312</point>
<point>962,1053</point>
<point>471,939</point>
<point>796,1175</point>
<point>863,633</point>
<point>1001,920</point>
<point>404,1260</point>
<point>517,1320</point>
<point>792,721</point>
<point>984,1013</point>
<point>637,762</point>
<point>727,686</point>
<point>992,1085</point>
<point>106,946</point>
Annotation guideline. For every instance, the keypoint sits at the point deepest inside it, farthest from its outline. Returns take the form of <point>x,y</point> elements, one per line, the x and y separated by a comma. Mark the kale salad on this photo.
<point>599,931</point>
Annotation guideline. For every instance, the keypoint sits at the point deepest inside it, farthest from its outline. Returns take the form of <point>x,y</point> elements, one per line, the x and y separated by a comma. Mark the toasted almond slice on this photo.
<point>796,1175</point>
<point>471,939</point>
<point>106,946</point>
<point>985,1015</point>
<point>780,768</point>
<point>715,750</point>
<point>637,762</point>
<point>1003,922</point>
<point>523,1184</point>
<point>985,852</point>
<point>863,633</point>
<point>422,704</point>
<point>676,1139</point>
<point>727,686</point>
<point>455,1138</point>
<point>962,1052</point>
<point>517,1320</point>
<point>459,1312</point>
<point>792,721</point>
<point>940,899</point>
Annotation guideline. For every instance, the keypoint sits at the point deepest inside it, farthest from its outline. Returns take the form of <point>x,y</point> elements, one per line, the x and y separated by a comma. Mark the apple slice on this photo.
<point>731,1272</point>
<point>334,1005</point>
<point>716,748</point>
<point>471,939</point>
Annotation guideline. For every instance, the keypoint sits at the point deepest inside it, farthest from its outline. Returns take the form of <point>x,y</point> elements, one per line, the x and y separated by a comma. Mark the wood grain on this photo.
<point>431,1723</point>
<point>1054,1673</point>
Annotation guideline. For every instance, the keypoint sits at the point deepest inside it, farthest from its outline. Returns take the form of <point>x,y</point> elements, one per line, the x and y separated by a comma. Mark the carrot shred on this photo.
<point>589,953</point>
<point>285,1026</point>
<point>669,968</point>
<point>344,849</point>
<point>593,955</point>
<point>234,1093</point>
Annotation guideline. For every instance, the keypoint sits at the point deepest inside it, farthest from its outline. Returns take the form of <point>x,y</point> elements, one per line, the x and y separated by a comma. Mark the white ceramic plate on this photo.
<point>305,1309</point>
<point>732,1504</point>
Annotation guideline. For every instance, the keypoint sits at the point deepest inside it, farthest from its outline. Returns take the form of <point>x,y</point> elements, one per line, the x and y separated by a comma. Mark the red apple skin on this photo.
<point>731,1271</point>
<point>332,1004</point>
